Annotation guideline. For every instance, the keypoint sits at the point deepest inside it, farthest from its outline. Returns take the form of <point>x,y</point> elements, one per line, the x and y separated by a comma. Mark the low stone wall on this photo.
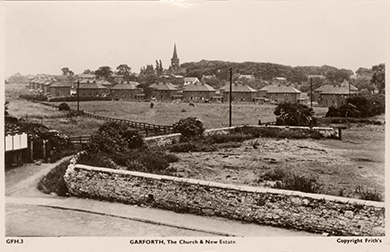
<point>171,138</point>
<point>289,209</point>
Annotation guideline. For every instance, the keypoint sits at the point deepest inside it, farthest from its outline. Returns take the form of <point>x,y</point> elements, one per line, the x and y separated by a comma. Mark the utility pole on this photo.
<point>78,97</point>
<point>311,92</point>
<point>230,97</point>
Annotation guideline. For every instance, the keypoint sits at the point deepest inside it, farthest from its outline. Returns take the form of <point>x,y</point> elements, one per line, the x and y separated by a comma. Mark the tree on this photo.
<point>124,71</point>
<point>65,71</point>
<point>294,114</point>
<point>159,68</point>
<point>104,72</point>
<point>378,77</point>
<point>88,72</point>
<point>363,72</point>
<point>148,75</point>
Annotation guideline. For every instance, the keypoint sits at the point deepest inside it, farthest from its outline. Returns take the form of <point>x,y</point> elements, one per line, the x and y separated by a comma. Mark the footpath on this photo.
<point>21,192</point>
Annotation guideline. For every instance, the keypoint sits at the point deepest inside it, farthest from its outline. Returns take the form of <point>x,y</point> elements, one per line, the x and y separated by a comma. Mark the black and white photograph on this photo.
<point>194,125</point>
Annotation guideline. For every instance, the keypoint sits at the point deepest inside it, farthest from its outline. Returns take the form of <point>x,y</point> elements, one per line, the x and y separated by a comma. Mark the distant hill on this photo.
<point>265,71</point>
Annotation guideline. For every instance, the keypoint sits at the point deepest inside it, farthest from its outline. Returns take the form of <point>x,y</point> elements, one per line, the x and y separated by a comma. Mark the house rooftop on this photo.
<point>198,87</point>
<point>238,87</point>
<point>131,85</point>
<point>280,89</point>
<point>163,86</point>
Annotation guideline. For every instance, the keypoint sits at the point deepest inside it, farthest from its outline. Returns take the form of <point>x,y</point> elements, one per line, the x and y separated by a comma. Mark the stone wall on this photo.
<point>171,138</point>
<point>288,209</point>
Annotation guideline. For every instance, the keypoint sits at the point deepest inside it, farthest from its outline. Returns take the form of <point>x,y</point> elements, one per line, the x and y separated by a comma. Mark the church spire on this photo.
<point>175,63</point>
<point>174,52</point>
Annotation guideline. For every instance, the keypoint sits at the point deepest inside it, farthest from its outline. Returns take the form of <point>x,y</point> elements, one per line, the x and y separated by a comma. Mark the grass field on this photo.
<point>213,115</point>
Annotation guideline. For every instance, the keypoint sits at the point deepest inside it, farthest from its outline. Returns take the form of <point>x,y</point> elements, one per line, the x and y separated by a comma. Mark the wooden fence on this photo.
<point>146,129</point>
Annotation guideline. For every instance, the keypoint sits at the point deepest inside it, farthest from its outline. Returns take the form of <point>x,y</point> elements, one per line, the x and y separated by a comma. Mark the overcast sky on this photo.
<point>43,37</point>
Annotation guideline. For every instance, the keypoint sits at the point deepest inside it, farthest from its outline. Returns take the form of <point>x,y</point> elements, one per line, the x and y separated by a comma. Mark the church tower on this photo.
<point>175,60</point>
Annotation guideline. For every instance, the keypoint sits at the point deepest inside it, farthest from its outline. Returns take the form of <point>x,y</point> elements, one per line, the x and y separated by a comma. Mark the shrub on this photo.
<point>34,97</point>
<point>294,114</point>
<point>62,153</point>
<point>298,183</point>
<point>332,112</point>
<point>54,180</point>
<point>63,107</point>
<point>113,137</point>
<point>359,107</point>
<point>94,159</point>
<point>256,132</point>
<point>193,146</point>
<point>189,128</point>
<point>74,98</point>
<point>368,194</point>
<point>274,174</point>
<point>233,137</point>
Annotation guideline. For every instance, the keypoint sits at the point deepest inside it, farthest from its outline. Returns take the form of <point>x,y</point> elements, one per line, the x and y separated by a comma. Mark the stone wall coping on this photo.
<point>234,187</point>
<point>163,136</point>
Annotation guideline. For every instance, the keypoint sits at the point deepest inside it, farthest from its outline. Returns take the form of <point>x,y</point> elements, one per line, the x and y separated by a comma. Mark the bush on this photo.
<point>54,182</point>
<point>192,146</point>
<point>298,183</point>
<point>74,98</point>
<point>34,97</point>
<point>62,153</point>
<point>189,128</point>
<point>368,194</point>
<point>359,107</point>
<point>233,137</point>
<point>63,107</point>
<point>274,174</point>
<point>113,137</point>
<point>332,112</point>
<point>256,132</point>
<point>294,114</point>
<point>98,160</point>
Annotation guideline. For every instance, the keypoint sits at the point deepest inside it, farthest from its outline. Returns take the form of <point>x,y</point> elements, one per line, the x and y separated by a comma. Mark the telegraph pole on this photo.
<point>311,92</point>
<point>230,97</point>
<point>78,97</point>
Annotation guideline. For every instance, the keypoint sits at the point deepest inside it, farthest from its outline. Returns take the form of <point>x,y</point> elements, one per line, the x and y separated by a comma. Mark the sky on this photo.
<point>43,37</point>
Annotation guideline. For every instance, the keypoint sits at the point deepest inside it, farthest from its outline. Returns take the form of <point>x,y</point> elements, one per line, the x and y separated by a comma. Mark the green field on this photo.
<point>213,115</point>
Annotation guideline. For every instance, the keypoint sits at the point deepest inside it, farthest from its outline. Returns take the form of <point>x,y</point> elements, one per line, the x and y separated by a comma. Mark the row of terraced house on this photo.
<point>192,90</point>
<point>174,86</point>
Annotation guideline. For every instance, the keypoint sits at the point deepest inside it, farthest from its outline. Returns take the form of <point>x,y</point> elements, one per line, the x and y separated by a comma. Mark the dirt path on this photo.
<point>22,181</point>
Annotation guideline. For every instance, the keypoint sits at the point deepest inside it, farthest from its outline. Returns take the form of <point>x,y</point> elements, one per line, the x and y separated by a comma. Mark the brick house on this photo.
<point>60,88</point>
<point>280,93</point>
<point>92,89</point>
<point>240,93</point>
<point>163,91</point>
<point>198,92</point>
<point>334,95</point>
<point>125,91</point>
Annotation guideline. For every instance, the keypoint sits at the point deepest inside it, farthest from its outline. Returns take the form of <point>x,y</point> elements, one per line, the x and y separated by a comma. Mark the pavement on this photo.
<point>24,203</point>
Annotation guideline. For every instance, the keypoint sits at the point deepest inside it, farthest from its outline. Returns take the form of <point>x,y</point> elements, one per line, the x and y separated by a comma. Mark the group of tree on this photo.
<point>367,80</point>
<point>360,107</point>
<point>265,71</point>
<point>67,72</point>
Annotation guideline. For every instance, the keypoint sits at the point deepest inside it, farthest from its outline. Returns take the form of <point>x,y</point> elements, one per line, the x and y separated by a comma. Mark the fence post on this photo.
<point>44,150</point>
<point>31,148</point>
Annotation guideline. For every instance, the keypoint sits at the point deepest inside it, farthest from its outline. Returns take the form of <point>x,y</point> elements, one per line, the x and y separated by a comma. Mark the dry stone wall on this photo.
<point>172,138</point>
<point>289,209</point>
